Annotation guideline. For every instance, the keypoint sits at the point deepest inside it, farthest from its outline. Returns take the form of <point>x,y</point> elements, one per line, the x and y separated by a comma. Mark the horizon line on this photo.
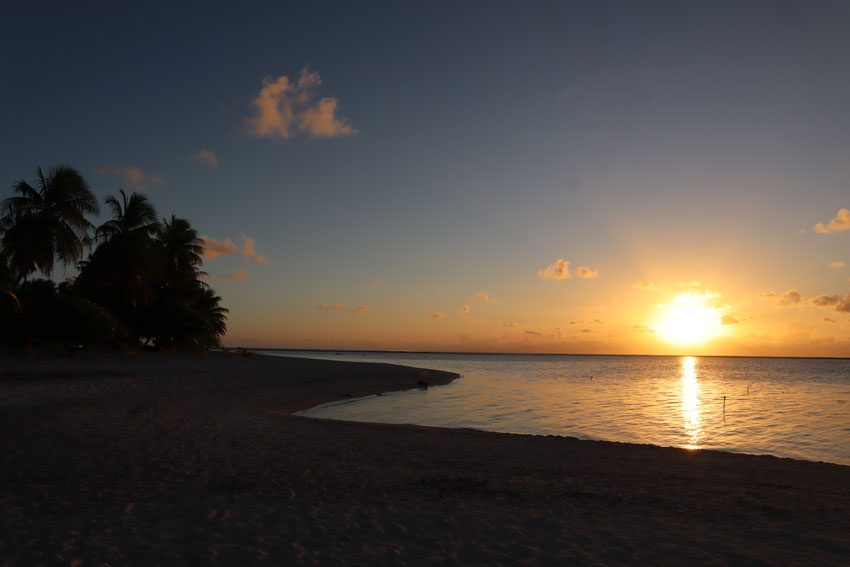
<point>389,351</point>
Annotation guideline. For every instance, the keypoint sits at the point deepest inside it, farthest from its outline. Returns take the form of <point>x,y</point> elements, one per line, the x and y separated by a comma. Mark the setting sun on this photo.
<point>688,320</point>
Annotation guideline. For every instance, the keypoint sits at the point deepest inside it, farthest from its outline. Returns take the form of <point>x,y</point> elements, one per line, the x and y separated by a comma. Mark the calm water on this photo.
<point>785,407</point>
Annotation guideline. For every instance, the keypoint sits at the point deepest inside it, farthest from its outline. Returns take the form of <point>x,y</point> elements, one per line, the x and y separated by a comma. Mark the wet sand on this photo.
<point>178,459</point>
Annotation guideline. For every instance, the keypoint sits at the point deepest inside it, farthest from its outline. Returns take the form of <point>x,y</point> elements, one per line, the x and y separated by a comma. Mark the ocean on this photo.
<point>786,407</point>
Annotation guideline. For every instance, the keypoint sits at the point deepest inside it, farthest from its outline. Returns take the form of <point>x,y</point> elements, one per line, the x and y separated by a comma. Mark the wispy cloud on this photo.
<point>844,305</point>
<point>837,224</point>
<point>206,158</point>
<point>509,324</point>
<point>647,286</point>
<point>586,273</point>
<point>837,264</point>
<point>826,300</point>
<point>438,315</point>
<point>465,309</point>
<point>361,309</point>
<point>130,175</point>
<point>790,297</point>
<point>249,250</point>
<point>728,320</point>
<point>483,297</point>
<point>213,248</point>
<point>829,320</point>
<point>285,108</point>
<point>237,276</point>
<point>557,270</point>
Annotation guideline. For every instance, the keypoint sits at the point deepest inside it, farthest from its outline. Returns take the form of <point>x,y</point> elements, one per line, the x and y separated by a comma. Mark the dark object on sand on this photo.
<point>422,384</point>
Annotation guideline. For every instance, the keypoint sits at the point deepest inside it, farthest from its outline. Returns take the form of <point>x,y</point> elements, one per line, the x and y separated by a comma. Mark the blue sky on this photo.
<point>649,141</point>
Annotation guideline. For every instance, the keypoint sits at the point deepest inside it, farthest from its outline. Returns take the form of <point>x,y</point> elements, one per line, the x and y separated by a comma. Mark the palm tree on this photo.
<point>46,223</point>
<point>132,217</point>
<point>181,251</point>
<point>8,295</point>
<point>121,272</point>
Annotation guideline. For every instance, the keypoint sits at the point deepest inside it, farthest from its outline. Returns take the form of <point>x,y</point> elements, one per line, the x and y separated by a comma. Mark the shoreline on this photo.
<point>163,458</point>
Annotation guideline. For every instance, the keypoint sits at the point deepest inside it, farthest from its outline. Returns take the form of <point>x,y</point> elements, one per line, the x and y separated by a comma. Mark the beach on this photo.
<point>187,459</point>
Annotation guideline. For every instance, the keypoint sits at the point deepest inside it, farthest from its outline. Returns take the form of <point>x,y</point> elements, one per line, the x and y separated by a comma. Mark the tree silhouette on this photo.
<point>141,284</point>
<point>46,223</point>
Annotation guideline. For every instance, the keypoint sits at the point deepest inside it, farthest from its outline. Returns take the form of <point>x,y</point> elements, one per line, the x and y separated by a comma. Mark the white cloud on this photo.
<point>206,158</point>
<point>284,108</point>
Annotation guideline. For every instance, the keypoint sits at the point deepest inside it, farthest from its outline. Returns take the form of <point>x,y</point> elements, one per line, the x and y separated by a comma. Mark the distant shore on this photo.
<point>185,459</point>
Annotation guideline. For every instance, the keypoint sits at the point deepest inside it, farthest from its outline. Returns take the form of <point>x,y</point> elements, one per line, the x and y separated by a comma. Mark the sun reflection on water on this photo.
<point>690,403</point>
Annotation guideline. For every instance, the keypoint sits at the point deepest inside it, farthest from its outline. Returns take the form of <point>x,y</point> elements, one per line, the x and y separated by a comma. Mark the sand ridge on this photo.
<point>182,459</point>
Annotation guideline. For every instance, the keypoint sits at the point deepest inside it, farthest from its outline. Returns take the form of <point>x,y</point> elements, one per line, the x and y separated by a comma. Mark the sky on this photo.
<point>570,177</point>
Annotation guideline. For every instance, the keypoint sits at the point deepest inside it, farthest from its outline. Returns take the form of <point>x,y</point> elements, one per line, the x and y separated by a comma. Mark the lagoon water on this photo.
<point>797,408</point>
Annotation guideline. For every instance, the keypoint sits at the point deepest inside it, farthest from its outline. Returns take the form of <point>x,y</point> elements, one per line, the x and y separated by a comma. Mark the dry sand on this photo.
<point>178,459</point>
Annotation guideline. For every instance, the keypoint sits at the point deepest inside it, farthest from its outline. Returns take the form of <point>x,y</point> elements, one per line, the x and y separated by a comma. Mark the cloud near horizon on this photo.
<point>285,108</point>
<point>557,270</point>
<point>837,224</point>
<point>361,309</point>
<point>214,248</point>
<point>826,300</point>
<point>438,315</point>
<point>135,178</point>
<point>837,264</point>
<point>790,297</point>
<point>483,297</point>
<point>206,158</point>
<point>647,285</point>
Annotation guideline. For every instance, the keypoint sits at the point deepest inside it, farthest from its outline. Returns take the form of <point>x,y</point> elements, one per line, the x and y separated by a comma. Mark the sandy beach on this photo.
<point>181,459</point>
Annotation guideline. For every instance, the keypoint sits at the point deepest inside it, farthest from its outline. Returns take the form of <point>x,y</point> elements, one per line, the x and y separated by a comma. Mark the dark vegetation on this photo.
<point>140,284</point>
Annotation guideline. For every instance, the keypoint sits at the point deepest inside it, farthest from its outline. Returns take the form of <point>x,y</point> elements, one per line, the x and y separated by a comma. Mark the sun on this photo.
<point>688,320</point>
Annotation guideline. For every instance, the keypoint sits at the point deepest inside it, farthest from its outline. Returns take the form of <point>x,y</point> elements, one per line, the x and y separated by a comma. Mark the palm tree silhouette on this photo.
<point>121,270</point>
<point>181,251</point>
<point>46,223</point>
<point>132,217</point>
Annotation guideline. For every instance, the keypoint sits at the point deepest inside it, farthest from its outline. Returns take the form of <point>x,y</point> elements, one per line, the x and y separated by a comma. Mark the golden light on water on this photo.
<point>690,402</point>
<point>689,320</point>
